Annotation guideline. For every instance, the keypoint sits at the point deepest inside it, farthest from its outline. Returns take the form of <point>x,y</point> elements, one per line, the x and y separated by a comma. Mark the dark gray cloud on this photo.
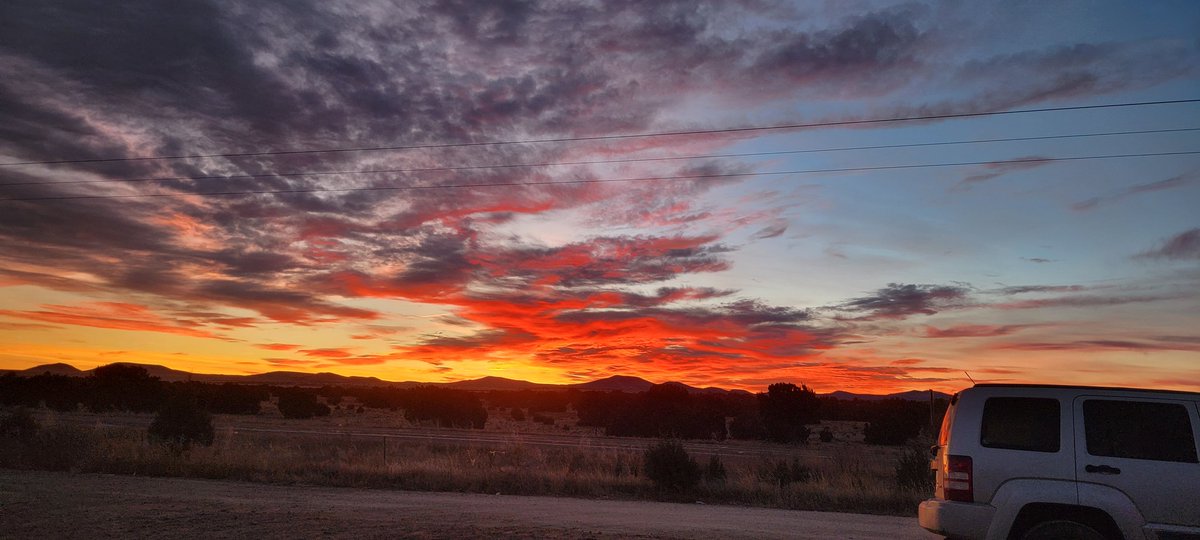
<point>1023,289</point>
<point>899,301</point>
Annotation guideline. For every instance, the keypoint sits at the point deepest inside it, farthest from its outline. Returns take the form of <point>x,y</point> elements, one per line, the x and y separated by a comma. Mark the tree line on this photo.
<point>785,413</point>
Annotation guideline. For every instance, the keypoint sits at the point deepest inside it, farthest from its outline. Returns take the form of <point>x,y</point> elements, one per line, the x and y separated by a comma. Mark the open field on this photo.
<point>61,505</point>
<point>837,476</point>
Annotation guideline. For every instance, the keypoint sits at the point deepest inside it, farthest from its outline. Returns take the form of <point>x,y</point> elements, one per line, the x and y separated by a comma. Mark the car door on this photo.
<point>1146,449</point>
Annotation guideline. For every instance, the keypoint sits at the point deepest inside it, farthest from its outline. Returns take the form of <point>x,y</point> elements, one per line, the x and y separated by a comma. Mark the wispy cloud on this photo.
<point>1183,246</point>
<point>1129,192</point>
<point>974,330</point>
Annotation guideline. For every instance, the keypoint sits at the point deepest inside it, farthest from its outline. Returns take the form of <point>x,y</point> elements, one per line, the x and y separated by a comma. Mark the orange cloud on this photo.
<point>112,315</point>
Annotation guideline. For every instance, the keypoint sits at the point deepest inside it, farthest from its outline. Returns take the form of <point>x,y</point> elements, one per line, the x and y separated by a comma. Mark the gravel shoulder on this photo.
<point>62,505</point>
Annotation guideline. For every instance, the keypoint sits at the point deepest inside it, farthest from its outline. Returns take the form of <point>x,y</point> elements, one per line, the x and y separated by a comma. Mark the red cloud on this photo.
<point>277,346</point>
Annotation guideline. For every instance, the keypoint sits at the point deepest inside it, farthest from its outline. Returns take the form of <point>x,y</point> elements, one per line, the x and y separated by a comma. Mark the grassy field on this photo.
<point>842,476</point>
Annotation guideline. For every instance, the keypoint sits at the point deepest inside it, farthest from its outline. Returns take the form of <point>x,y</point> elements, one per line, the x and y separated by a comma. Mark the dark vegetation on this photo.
<point>786,413</point>
<point>182,422</point>
<point>669,466</point>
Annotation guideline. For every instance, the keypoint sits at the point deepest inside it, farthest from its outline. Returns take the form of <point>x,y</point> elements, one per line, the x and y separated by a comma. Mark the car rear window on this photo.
<point>1139,430</point>
<point>1017,423</point>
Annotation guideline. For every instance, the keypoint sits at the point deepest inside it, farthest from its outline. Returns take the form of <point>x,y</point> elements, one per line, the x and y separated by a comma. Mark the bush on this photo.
<point>518,414</point>
<point>182,422</point>
<point>783,474</point>
<point>715,472</point>
<point>912,469</point>
<point>826,434</point>
<point>670,467</point>
<point>59,448</point>
<point>19,424</point>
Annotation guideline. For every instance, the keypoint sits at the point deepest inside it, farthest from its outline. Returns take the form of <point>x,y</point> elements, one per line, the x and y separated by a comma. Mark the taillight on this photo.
<point>956,479</point>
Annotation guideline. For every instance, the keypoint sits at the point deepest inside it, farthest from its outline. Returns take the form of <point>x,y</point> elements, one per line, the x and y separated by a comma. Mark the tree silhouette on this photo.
<point>785,410</point>
<point>123,387</point>
<point>297,403</point>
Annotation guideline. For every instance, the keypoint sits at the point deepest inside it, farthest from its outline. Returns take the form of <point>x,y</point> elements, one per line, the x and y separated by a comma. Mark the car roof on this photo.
<point>1077,387</point>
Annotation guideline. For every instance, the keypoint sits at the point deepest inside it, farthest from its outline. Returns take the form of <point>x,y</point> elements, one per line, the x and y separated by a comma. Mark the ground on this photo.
<point>62,505</point>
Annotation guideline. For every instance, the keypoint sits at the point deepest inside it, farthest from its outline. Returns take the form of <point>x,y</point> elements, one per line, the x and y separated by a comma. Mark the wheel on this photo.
<point>1062,530</point>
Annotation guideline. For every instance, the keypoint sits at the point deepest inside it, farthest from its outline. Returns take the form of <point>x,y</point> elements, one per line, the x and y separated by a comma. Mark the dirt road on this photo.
<point>61,505</point>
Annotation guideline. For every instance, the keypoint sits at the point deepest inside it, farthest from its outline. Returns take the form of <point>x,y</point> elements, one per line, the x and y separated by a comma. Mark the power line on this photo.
<point>599,180</point>
<point>599,161</point>
<point>613,137</point>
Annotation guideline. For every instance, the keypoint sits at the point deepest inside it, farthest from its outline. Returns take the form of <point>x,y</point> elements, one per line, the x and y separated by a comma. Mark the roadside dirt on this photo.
<point>62,505</point>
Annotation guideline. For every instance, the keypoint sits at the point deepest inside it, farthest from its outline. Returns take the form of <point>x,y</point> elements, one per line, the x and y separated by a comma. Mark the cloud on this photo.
<point>1000,168</point>
<point>277,346</point>
<point>974,330</point>
<point>1102,345</point>
<point>899,301</point>
<point>1114,198</point>
<point>776,228</point>
<point>1081,301</point>
<point>113,316</point>
<point>518,280</point>
<point>1023,289</point>
<point>1181,247</point>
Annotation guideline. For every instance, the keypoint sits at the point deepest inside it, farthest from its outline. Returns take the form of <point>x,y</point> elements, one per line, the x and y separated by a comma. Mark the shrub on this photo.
<point>59,448</point>
<point>518,414</point>
<point>826,434</point>
<point>782,474</point>
<point>715,472</point>
<point>912,469</point>
<point>19,424</point>
<point>543,419</point>
<point>182,422</point>
<point>669,466</point>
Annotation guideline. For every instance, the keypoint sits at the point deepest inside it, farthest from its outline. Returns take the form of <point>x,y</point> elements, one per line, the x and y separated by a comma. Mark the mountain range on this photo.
<point>619,383</point>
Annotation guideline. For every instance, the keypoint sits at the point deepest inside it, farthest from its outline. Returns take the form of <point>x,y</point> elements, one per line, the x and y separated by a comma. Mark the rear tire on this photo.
<point>1062,530</point>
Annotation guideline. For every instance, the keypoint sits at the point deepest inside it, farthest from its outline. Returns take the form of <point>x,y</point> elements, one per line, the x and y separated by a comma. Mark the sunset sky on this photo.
<point>1059,246</point>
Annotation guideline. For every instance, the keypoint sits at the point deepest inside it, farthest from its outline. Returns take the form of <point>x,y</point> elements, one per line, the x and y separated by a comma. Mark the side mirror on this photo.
<point>933,451</point>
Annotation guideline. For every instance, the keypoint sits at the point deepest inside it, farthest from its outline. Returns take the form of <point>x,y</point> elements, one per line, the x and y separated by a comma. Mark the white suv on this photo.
<point>1037,462</point>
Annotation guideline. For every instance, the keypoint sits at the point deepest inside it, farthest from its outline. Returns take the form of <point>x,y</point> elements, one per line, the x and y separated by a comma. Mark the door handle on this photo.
<point>1102,469</point>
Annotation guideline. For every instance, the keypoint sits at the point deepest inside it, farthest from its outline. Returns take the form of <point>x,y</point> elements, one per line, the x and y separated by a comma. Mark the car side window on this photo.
<point>1017,423</point>
<point>1139,430</point>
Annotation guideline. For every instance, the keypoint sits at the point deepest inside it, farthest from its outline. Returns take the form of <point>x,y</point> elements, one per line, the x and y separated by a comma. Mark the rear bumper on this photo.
<point>956,519</point>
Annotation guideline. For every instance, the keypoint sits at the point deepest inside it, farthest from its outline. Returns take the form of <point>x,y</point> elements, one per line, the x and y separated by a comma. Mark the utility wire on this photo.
<point>614,137</point>
<point>712,176</point>
<point>595,162</point>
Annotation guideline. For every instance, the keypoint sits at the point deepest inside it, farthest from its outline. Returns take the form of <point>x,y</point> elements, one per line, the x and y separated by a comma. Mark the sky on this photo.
<point>564,191</point>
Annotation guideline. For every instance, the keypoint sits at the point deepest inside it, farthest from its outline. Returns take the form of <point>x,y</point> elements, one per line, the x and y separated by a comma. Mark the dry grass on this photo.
<point>854,478</point>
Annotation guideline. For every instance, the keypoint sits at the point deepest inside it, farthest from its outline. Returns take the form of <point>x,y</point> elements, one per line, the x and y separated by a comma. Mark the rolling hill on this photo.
<point>617,383</point>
